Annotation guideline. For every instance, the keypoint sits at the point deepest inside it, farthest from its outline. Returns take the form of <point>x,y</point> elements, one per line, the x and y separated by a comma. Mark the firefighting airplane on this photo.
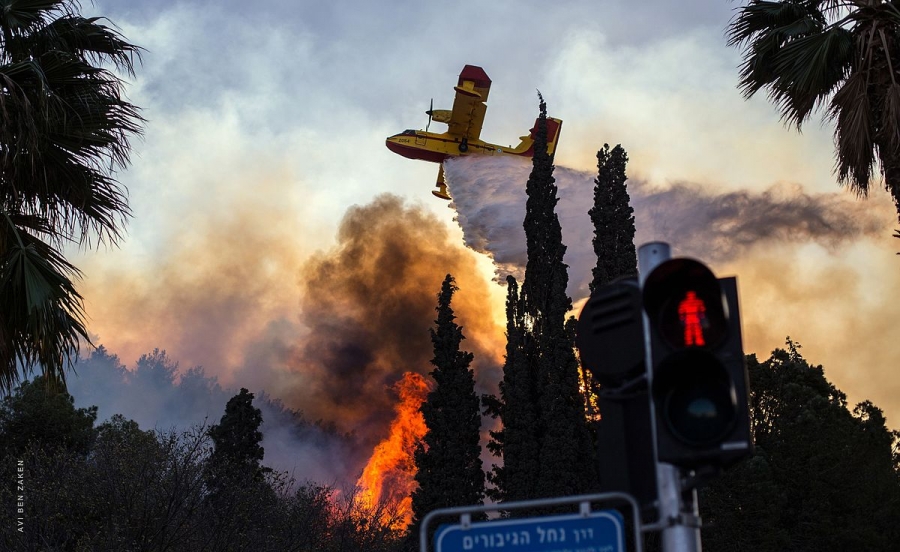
<point>463,128</point>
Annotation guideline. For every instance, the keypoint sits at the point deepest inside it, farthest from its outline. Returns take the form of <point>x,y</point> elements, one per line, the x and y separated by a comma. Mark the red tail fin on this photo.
<point>554,126</point>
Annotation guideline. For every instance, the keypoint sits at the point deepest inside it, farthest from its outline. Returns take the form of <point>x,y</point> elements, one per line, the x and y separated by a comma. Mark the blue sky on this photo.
<point>266,122</point>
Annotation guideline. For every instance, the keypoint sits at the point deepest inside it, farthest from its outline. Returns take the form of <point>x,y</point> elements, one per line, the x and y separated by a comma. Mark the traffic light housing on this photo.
<point>697,372</point>
<point>610,333</point>
<point>610,340</point>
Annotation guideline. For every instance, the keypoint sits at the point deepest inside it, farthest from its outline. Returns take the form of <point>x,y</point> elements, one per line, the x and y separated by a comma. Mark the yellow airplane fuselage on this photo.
<point>438,147</point>
<point>464,128</point>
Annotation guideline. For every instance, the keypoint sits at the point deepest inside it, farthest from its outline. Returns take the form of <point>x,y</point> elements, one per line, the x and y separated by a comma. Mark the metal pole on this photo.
<point>681,531</point>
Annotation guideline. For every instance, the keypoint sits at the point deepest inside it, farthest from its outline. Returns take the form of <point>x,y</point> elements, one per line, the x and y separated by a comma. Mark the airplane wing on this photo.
<point>469,107</point>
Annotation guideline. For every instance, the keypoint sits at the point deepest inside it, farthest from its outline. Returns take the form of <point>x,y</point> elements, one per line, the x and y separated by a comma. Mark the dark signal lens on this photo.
<point>696,398</point>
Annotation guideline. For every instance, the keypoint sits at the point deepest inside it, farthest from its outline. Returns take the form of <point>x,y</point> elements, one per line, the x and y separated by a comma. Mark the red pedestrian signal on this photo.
<point>692,313</point>
<point>696,367</point>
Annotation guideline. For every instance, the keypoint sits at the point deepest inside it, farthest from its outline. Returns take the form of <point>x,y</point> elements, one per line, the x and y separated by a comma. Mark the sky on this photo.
<point>277,243</point>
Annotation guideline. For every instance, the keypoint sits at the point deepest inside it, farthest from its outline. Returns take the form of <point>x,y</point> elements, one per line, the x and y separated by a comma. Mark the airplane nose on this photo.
<point>393,146</point>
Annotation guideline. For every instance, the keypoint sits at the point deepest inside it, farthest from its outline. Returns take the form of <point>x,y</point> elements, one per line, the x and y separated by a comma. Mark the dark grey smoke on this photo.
<point>721,226</point>
<point>368,304</point>
<point>489,197</point>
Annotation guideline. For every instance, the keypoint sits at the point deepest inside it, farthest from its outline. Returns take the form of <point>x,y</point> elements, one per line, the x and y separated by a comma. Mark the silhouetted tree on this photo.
<point>518,438</point>
<point>613,219</point>
<point>44,415</point>
<point>152,487</point>
<point>448,461</point>
<point>65,133</point>
<point>566,459</point>
<point>237,436</point>
<point>239,495</point>
<point>565,453</point>
<point>820,478</point>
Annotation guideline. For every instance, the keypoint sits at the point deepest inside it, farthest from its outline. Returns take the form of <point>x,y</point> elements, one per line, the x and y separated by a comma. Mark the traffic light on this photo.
<point>697,373</point>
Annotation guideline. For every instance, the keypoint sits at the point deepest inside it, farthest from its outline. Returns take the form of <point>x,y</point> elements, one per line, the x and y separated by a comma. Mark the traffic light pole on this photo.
<point>681,527</point>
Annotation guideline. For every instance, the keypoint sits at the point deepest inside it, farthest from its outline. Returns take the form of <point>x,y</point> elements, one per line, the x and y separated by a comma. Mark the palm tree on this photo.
<point>843,55</point>
<point>65,132</point>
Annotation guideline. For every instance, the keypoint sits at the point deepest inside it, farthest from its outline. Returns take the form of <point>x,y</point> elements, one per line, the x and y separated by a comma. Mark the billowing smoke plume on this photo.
<point>489,196</point>
<point>330,346</point>
<point>369,303</point>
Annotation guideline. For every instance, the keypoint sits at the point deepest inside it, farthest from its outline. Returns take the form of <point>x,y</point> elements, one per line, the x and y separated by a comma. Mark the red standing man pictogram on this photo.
<point>692,312</point>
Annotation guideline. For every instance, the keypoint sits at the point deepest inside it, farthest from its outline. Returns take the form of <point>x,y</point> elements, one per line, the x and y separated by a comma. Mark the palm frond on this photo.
<point>76,130</point>
<point>21,16</point>
<point>808,69</point>
<point>66,131</point>
<point>90,40</point>
<point>40,310</point>
<point>890,116</point>
<point>792,51</point>
<point>780,20</point>
<point>763,29</point>
<point>854,133</point>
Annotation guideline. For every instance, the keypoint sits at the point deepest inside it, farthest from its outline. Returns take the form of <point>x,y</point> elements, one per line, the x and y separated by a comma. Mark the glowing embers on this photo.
<point>387,482</point>
<point>692,314</point>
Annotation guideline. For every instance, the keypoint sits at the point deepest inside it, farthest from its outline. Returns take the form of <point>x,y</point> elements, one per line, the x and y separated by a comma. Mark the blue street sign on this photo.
<point>600,531</point>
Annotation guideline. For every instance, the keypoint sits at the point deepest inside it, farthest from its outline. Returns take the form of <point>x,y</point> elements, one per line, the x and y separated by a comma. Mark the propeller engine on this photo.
<point>439,115</point>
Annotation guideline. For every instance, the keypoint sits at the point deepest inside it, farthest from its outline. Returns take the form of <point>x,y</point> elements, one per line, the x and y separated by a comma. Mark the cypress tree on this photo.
<point>613,219</point>
<point>449,459</point>
<point>237,438</point>
<point>518,439</point>
<point>565,453</point>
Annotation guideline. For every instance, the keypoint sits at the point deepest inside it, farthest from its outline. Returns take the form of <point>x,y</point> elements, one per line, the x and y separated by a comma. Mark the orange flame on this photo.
<point>388,478</point>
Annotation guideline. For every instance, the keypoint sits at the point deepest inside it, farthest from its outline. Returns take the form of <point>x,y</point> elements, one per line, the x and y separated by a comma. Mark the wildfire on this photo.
<point>388,478</point>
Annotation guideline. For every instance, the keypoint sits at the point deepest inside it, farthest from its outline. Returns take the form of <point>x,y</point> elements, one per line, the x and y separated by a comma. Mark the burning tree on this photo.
<point>448,460</point>
<point>388,480</point>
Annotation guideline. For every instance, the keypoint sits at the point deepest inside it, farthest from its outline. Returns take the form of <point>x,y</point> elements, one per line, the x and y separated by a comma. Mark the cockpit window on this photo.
<point>409,132</point>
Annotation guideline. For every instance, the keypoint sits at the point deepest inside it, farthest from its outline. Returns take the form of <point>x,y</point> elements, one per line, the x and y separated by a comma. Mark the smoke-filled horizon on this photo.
<point>361,309</point>
<point>242,258</point>
<point>359,320</point>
